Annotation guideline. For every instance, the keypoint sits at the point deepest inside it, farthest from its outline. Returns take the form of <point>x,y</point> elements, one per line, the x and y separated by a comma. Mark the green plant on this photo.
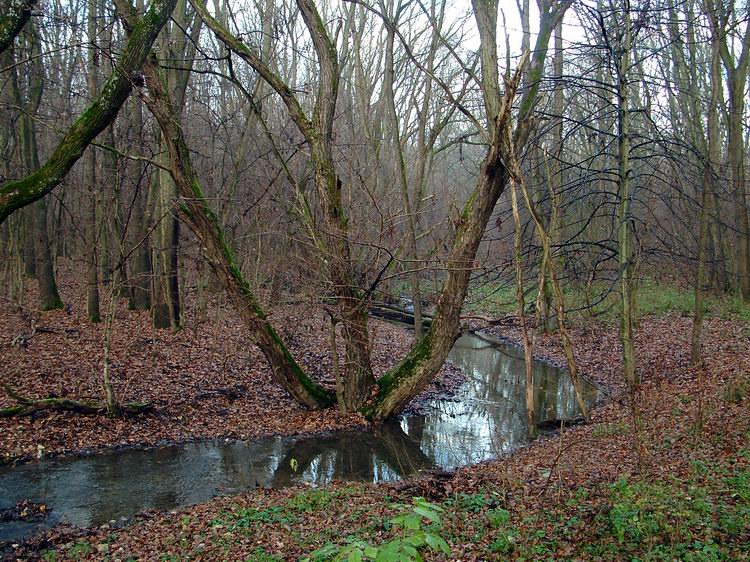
<point>505,541</point>
<point>414,535</point>
<point>313,500</point>
<point>497,517</point>
<point>79,549</point>
<point>472,502</point>
<point>663,520</point>
<point>739,485</point>
<point>243,517</point>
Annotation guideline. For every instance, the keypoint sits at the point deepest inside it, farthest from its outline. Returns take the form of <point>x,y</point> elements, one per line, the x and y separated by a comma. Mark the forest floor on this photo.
<point>668,479</point>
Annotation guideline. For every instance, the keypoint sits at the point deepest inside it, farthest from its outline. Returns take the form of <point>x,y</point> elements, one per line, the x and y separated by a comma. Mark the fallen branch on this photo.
<point>26,406</point>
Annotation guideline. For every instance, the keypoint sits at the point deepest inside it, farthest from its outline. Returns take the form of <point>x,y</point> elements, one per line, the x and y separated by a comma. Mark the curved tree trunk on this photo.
<point>399,385</point>
<point>334,238</point>
<point>195,211</point>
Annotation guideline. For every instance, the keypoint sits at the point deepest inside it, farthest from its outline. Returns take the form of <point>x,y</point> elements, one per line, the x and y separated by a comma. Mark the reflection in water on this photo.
<point>487,417</point>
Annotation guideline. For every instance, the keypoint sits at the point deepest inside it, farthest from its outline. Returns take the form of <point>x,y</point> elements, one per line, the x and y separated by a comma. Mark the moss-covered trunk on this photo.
<point>333,237</point>
<point>399,385</point>
<point>197,214</point>
<point>358,379</point>
<point>402,383</point>
<point>19,193</point>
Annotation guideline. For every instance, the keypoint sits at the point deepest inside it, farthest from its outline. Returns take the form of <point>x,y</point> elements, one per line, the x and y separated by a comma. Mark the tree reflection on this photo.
<point>384,453</point>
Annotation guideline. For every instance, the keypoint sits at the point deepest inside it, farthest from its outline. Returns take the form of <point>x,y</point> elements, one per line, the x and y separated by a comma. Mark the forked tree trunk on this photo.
<point>413,373</point>
<point>400,384</point>
<point>334,238</point>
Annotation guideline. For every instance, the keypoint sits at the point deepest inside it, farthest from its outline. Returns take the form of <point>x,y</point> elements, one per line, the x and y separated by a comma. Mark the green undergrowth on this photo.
<point>601,301</point>
<point>415,529</point>
<point>701,516</point>
<point>704,516</point>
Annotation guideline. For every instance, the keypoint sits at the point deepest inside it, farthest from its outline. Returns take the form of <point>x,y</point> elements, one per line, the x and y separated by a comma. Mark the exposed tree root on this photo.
<point>26,406</point>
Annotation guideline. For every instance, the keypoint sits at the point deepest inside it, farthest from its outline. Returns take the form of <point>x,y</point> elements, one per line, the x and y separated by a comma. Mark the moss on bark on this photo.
<point>19,193</point>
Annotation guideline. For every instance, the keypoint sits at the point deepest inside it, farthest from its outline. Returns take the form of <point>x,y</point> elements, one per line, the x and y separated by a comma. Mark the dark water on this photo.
<point>486,418</point>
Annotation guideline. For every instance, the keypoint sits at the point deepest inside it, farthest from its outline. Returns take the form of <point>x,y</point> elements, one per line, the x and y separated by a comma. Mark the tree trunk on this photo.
<point>200,218</point>
<point>92,269</point>
<point>721,19</point>
<point>711,156</point>
<point>92,173</point>
<point>37,252</point>
<point>166,294</point>
<point>334,238</point>
<point>400,384</point>
<point>403,182</point>
<point>103,110</point>
<point>29,242</point>
<point>737,165</point>
<point>16,15</point>
<point>626,255</point>
<point>528,350</point>
<point>49,296</point>
<point>197,214</point>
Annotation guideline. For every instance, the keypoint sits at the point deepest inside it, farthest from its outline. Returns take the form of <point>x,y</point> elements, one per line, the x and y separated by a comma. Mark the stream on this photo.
<point>484,419</point>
